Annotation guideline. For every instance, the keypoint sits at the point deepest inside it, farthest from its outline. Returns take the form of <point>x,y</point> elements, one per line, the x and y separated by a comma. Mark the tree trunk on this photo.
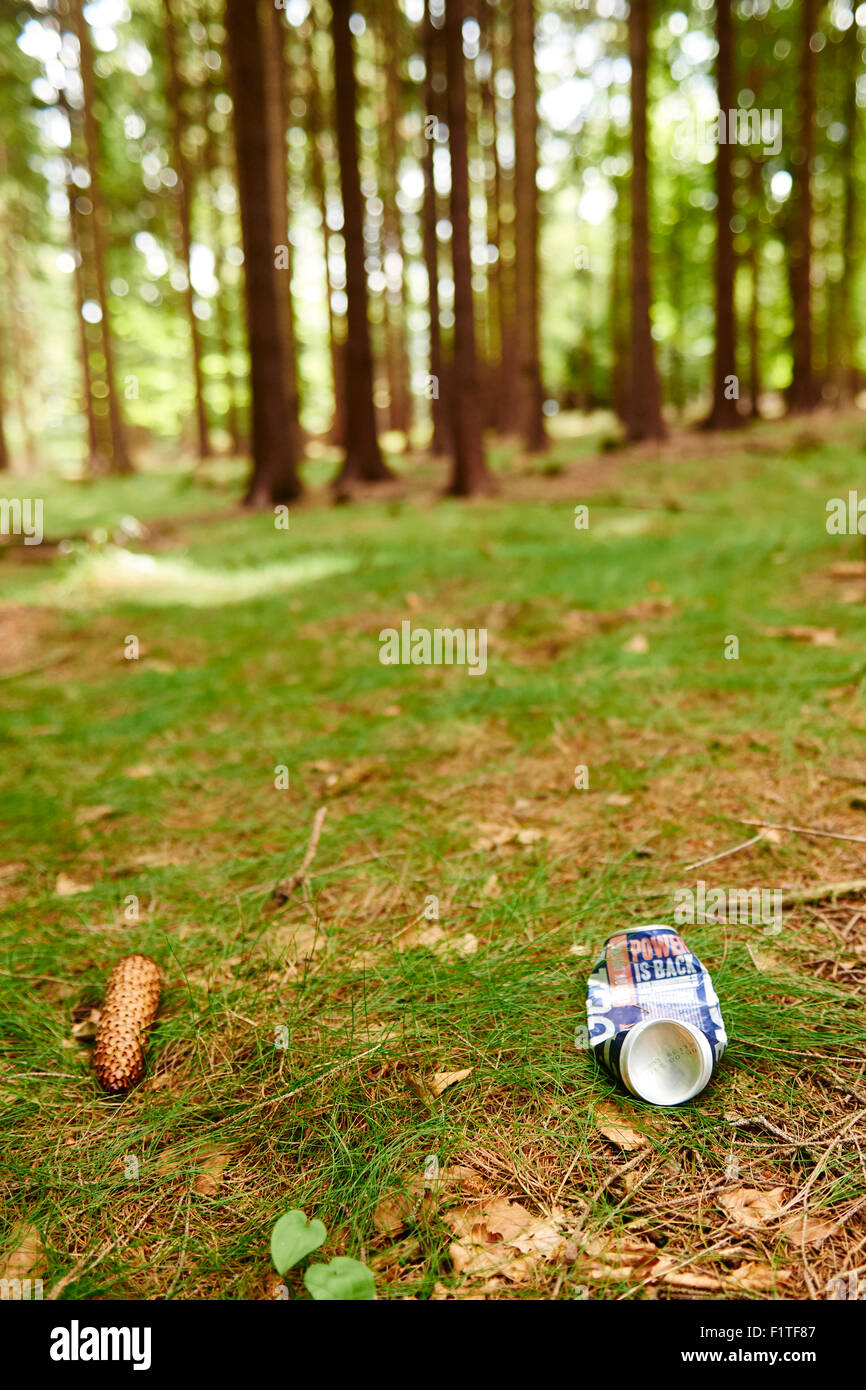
<point>508,372</point>
<point>276,102</point>
<point>847,375</point>
<point>469,473</point>
<point>754,290</point>
<point>274,474</point>
<point>363,461</point>
<point>396,297</point>
<point>4,448</point>
<point>319,187</point>
<point>439,443</point>
<point>223,312</point>
<point>644,407</point>
<point>724,414</point>
<point>802,397</point>
<point>119,461</point>
<point>184,208</point>
<point>530,396</point>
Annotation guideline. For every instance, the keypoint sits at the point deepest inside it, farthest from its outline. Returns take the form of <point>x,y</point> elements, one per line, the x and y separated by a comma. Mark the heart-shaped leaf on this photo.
<point>293,1237</point>
<point>340,1280</point>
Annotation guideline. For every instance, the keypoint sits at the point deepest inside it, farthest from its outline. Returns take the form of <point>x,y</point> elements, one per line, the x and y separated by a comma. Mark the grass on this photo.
<point>154,780</point>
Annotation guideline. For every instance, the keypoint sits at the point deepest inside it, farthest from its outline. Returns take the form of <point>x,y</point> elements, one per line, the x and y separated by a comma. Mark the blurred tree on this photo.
<point>802,394</point>
<point>363,461</point>
<point>724,414</point>
<point>185,189</point>
<point>112,451</point>
<point>469,469</point>
<point>277,105</point>
<point>432,119</point>
<point>644,403</point>
<point>530,394</point>
<point>274,473</point>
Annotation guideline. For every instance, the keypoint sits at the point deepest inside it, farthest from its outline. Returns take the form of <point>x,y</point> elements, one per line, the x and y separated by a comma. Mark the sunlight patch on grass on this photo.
<point>157,580</point>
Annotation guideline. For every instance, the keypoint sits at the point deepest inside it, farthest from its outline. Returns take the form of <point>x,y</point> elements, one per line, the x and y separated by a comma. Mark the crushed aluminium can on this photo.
<point>654,1018</point>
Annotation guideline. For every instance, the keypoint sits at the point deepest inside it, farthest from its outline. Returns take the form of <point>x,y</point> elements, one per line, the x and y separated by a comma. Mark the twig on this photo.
<point>90,1263</point>
<point>725,852</point>
<point>843,889</point>
<point>289,1095</point>
<point>287,888</point>
<point>806,830</point>
<point>820,1165</point>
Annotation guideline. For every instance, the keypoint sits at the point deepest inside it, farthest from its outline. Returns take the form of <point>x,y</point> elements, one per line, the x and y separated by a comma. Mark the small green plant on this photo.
<point>340,1280</point>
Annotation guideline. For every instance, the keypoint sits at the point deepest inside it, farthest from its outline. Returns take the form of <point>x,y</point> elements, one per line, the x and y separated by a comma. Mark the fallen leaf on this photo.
<point>501,1239</point>
<point>758,1278</point>
<point>613,1126</point>
<point>394,1212</point>
<point>86,815</point>
<point>492,887</point>
<point>26,1253</point>
<point>806,1230</point>
<point>848,569</point>
<point>530,836</point>
<point>139,770</point>
<point>441,1080</point>
<point>85,1023</point>
<point>209,1181</point>
<point>815,636</point>
<point>298,942</point>
<point>616,1257</point>
<point>336,783</point>
<point>749,1207</point>
<point>418,934</point>
<point>618,799</point>
<point>67,887</point>
<point>637,643</point>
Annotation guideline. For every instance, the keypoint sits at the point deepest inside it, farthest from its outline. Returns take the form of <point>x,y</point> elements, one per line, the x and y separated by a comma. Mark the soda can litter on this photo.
<point>654,1018</point>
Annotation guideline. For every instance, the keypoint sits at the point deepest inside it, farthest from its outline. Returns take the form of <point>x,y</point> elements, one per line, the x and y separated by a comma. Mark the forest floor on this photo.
<point>414,1081</point>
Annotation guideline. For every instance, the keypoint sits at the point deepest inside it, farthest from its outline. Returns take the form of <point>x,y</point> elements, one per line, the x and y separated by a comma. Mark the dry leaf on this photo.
<point>336,783</point>
<point>613,1126</point>
<point>847,569</point>
<point>618,799</point>
<point>617,1258</point>
<point>67,887</point>
<point>758,1278</point>
<point>86,815</point>
<point>210,1180</point>
<point>139,770</point>
<point>492,887</point>
<point>637,643</point>
<point>25,1258</point>
<point>441,1080</point>
<point>806,1230</point>
<point>394,1212</point>
<point>495,836</point>
<point>299,942</point>
<point>419,934</point>
<point>501,1239</point>
<point>85,1022</point>
<point>815,636</point>
<point>750,1208</point>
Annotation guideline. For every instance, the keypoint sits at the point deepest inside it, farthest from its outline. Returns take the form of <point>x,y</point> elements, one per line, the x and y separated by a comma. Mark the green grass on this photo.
<point>286,672</point>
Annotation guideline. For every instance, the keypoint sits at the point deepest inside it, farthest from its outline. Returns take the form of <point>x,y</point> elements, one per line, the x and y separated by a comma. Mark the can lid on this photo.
<point>666,1060</point>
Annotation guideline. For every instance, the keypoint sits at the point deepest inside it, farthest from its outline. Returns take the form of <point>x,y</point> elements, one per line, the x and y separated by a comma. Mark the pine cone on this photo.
<point>131,1001</point>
